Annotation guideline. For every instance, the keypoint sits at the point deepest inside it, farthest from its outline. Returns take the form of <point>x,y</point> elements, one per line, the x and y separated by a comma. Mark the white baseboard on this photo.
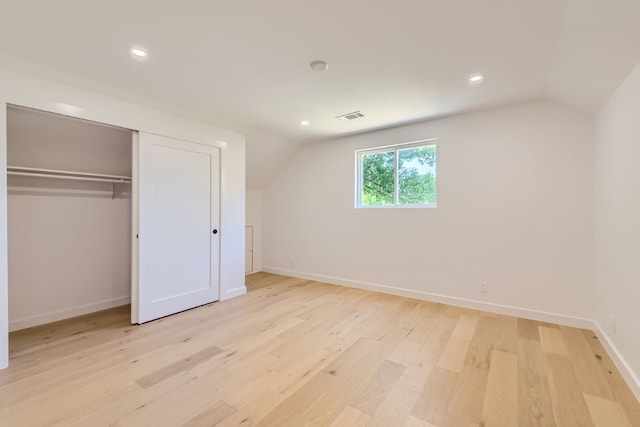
<point>41,319</point>
<point>231,293</point>
<point>543,316</point>
<point>625,369</point>
<point>254,271</point>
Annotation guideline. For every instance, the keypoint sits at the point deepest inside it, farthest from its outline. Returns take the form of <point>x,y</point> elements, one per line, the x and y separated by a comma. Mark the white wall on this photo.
<point>20,89</point>
<point>265,154</point>
<point>254,219</point>
<point>232,218</point>
<point>68,255</point>
<point>514,209</point>
<point>617,223</point>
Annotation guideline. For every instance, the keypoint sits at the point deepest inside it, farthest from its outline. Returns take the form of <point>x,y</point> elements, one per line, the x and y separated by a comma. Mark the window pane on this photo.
<point>417,176</point>
<point>377,178</point>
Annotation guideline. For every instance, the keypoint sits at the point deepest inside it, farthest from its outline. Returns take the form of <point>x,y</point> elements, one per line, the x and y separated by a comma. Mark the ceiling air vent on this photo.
<point>350,116</point>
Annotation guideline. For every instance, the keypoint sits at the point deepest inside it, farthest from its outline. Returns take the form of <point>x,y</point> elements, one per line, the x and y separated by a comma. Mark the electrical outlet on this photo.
<point>613,324</point>
<point>292,262</point>
<point>484,288</point>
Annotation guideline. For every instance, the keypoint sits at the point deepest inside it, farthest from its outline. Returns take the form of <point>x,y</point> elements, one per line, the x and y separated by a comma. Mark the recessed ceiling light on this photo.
<point>319,65</point>
<point>136,51</point>
<point>304,122</point>
<point>476,78</point>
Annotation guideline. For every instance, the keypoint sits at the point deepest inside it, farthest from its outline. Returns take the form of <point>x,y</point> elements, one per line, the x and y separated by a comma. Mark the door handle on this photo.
<point>215,231</point>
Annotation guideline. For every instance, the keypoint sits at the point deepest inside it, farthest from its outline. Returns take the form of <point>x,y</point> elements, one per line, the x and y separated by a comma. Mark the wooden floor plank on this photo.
<point>416,422</point>
<point>605,412</point>
<point>534,401</point>
<point>528,330</point>
<point>397,405</point>
<point>211,416</point>
<point>374,393</point>
<point>492,333</point>
<point>351,417</point>
<point>501,397</point>
<point>454,354</point>
<point>433,402</point>
<point>179,366</point>
<point>567,400</point>
<point>466,327</point>
<point>303,353</point>
<point>468,395</point>
<point>552,341</point>
<point>404,352</point>
<point>253,413</point>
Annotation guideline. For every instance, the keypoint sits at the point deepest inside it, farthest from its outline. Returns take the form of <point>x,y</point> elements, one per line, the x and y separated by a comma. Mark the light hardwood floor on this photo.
<point>300,353</point>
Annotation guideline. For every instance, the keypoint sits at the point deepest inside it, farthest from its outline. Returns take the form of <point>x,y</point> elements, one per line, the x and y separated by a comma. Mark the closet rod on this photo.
<point>61,174</point>
<point>77,178</point>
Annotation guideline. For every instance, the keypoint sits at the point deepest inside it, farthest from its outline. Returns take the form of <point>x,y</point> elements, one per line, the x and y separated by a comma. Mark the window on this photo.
<point>397,176</point>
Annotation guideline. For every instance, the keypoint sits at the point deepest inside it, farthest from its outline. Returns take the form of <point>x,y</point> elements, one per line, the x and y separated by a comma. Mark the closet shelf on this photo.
<point>116,180</point>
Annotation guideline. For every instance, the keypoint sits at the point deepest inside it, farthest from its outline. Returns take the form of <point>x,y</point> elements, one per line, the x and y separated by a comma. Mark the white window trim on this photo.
<point>396,148</point>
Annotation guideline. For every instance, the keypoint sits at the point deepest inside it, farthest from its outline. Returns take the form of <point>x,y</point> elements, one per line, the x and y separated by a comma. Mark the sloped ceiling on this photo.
<point>244,65</point>
<point>597,47</point>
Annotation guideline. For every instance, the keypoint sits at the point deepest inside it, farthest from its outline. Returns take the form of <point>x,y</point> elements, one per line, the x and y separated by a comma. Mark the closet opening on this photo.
<point>69,216</point>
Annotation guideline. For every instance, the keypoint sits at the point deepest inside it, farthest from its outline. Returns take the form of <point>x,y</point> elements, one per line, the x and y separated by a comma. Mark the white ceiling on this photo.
<point>244,64</point>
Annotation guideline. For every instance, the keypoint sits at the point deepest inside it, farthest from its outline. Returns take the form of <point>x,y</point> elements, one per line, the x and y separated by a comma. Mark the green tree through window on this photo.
<point>414,183</point>
<point>378,178</point>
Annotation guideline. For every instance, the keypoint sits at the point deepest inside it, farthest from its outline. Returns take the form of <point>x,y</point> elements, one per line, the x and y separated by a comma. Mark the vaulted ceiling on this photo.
<point>244,64</point>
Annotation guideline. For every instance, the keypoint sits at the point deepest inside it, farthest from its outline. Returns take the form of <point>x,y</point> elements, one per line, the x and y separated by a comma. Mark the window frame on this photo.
<point>395,148</point>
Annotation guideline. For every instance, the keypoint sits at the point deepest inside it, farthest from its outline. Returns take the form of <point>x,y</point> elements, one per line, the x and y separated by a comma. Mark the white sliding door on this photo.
<point>177,226</point>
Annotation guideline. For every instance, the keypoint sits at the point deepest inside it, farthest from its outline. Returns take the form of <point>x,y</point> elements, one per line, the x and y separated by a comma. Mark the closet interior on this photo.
<point>69,216</point>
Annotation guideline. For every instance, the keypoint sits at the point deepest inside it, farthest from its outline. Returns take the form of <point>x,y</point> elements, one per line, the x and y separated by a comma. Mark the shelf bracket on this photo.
<point>116,189</point>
